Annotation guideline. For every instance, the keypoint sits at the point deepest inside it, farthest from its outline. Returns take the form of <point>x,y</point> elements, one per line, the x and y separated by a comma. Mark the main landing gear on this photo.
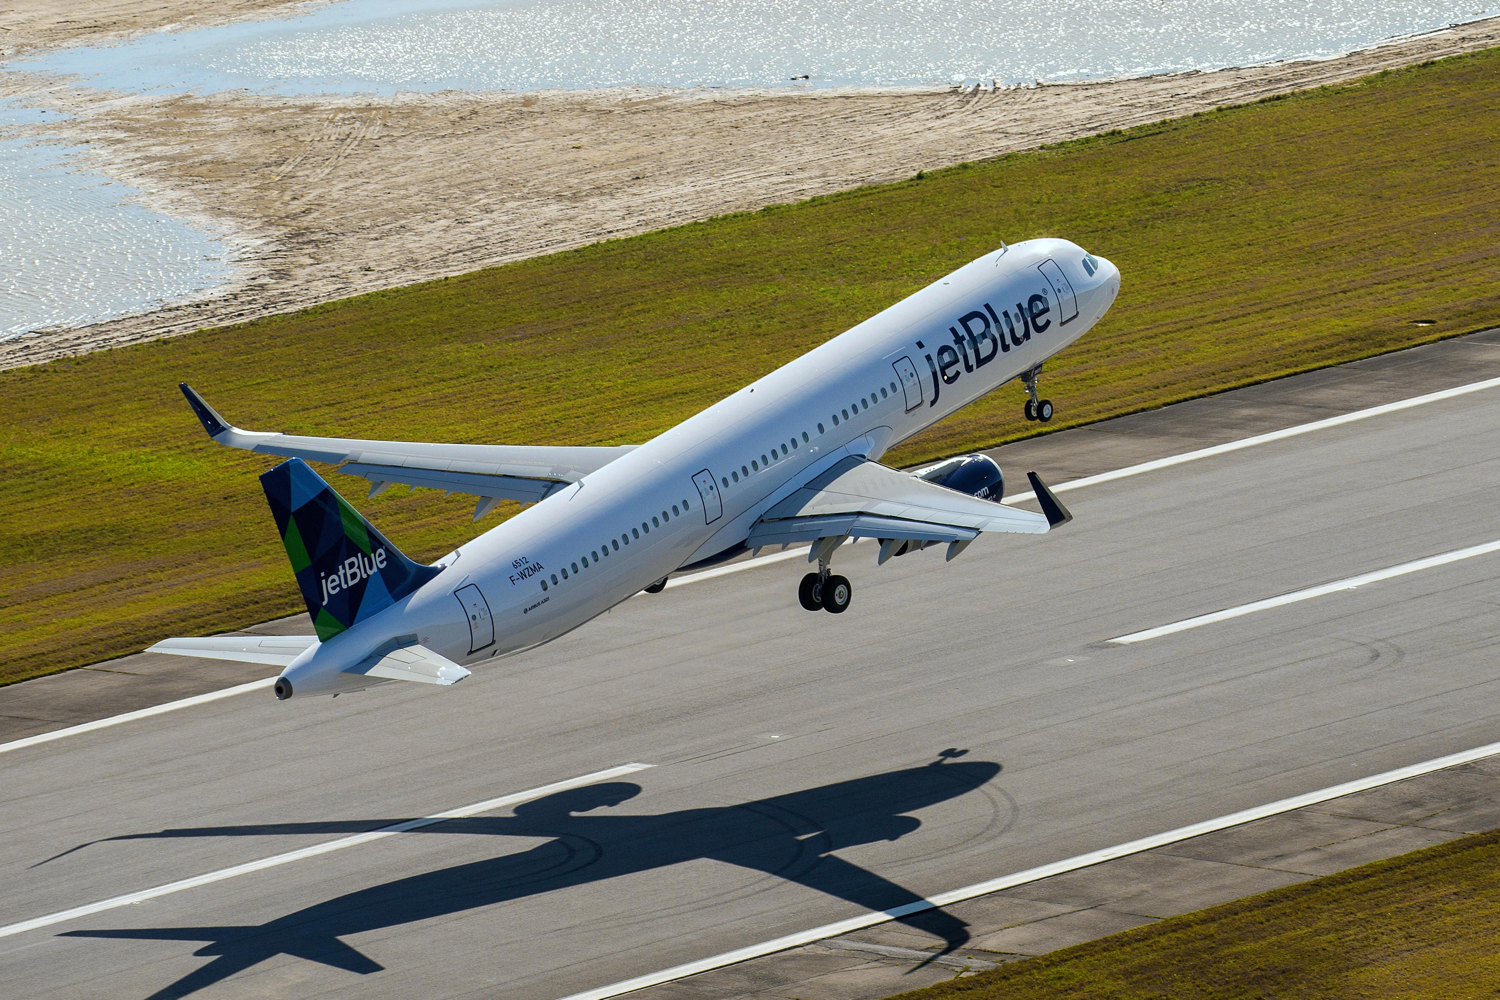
<point>1036,409</point>
<point>822,591</point>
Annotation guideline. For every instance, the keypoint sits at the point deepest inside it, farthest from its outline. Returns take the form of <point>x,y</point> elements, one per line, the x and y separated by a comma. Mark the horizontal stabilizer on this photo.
<point>272,650</point>
<point>410,663</point>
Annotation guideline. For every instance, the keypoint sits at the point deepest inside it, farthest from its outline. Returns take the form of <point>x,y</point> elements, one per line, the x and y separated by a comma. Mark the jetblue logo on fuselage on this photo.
<point>352,570</point>
<point>986,335</point>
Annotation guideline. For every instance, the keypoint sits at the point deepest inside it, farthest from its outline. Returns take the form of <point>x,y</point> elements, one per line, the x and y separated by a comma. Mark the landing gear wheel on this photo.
<point>837,591</point>
<point>1030,410</point>
<point>1044,410</point>
<point>810,593</point>
<point>657,587</point>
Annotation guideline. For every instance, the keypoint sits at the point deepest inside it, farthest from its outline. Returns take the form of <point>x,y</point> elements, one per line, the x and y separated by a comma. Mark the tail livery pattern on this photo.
<point>346,569</point>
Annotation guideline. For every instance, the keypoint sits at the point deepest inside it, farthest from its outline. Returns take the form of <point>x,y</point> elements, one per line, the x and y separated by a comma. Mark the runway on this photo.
<point>963,721</point>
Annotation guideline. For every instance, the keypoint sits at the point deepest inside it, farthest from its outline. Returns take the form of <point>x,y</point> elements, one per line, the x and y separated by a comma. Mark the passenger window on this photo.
<point>736,476</point>
<point>882,392</point>
<point>763,460</point>
<point>615,544</point>
<point>725,481</point>
<point>846,414</point>
<point>554,579</point>
<point>835,419</point>
<point>544,584</point>
<point>575,570</point>
<point>805,438</point>
<point>646,527</point>
<point>585,560</point>
<point>636,532</point>
<point>744,470</point>
<point>656,522</point>
<point>595,554</point>
<point>675,511</point>
<point>664,517</point>
<point>820,429</point>
<point>685,504</point>
<point>794,444</point>
<point>893,387</point>
<point>754,465</point>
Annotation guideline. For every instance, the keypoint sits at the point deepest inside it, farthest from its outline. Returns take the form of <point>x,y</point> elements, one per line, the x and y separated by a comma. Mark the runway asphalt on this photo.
<point>804,765</point>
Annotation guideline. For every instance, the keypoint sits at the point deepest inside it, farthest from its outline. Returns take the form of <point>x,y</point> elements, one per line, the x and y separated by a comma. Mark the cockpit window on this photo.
<point>1090,264</point>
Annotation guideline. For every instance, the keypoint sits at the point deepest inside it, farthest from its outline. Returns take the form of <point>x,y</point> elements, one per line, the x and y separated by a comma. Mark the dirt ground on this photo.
<point>328,197</point>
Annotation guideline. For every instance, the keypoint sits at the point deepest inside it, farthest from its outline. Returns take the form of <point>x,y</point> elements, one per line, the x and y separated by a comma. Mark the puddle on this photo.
<point>386,46</point>
<point>75,250</point>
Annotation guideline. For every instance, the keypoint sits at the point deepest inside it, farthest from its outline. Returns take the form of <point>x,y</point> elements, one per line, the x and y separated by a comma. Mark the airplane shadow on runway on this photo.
<point>790,836</point>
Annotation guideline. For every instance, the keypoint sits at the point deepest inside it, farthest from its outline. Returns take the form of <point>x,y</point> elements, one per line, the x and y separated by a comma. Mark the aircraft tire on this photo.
<point>1030,410</point>
<point>837,591</point>
<point>807,593</point>
<point>657,587</point>
<point>1044,410</point>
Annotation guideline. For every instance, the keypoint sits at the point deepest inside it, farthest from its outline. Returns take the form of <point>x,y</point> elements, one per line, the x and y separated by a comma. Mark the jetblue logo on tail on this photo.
<point>985,335</point>
<point>352,570</point>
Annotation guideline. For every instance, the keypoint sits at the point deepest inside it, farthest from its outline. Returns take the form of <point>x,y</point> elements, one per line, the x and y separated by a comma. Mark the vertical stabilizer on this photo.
<point>347,570</point>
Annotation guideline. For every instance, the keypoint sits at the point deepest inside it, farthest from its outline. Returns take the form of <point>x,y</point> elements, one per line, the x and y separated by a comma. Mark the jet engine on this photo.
<point>976,475</point>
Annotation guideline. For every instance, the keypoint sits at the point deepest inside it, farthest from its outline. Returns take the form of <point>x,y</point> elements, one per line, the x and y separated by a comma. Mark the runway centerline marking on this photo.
<point>1307,594</point>
<point>713,574</point>
<point>515,798</point>
<point>1036,874</point>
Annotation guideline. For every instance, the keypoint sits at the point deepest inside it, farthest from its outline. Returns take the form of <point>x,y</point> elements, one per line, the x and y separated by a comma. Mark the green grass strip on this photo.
<point>1254,242</point>
<point>1420,925</point>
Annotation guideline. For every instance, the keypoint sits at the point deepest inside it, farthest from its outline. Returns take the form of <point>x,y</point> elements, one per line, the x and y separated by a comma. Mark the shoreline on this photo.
<point>335,196</point>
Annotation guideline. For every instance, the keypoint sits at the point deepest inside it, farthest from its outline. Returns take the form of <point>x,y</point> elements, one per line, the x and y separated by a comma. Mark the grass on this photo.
<point>1422,924</point>
<point>1254,242</point>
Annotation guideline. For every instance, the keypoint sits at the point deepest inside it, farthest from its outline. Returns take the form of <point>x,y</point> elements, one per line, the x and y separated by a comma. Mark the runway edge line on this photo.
<point>1036,874</point>
<point>1103,477</point>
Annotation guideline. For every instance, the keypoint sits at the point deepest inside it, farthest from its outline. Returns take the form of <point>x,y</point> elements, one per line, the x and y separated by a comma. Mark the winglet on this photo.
<point>207,416</point>
<point>1051,506</point>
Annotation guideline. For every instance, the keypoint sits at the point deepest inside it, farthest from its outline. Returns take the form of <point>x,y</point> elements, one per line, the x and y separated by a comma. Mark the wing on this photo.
<point>492,472</point>
<point>272,650</point>
<point>858,498</point>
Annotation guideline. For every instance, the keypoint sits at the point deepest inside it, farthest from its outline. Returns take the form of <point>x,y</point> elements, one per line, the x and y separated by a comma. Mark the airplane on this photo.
<point>794,457</point>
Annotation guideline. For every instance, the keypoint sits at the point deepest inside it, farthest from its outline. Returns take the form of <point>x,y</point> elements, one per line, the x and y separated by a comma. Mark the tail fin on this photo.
<point>347,570</point>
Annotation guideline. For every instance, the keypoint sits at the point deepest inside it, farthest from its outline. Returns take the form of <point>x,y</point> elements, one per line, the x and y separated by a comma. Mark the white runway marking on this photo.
<point>1348,583</point>
<point>144,713</point>
<point>713,574</point>
<point>1034,874</point>
<point>277,860</point>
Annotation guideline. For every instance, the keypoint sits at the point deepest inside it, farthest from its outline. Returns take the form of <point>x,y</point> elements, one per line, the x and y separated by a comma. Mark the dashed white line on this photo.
<point>316,850</point>
<point>1033,875</point>
<point>1348,583</point>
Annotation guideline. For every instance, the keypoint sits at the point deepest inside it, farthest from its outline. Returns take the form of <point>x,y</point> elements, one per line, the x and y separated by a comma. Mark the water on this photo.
<point>75,250</point>
<point>386,46</point>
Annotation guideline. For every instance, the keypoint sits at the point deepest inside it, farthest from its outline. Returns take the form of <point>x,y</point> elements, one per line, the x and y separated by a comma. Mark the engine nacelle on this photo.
<point>976,475</point>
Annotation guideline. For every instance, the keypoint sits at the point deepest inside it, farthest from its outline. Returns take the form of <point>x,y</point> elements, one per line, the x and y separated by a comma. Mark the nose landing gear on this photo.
<point>822,591</point>
<point>1035,409</point>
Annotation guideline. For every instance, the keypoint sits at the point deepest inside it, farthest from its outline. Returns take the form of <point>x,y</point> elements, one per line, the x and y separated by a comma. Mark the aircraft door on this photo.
<point>477,610</point>
<point>708,492</point>
<point>1064,291</point>
<point>910,383</point>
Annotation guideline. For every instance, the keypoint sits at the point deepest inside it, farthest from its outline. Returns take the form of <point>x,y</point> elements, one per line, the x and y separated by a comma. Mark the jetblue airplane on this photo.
<point>793,457</point>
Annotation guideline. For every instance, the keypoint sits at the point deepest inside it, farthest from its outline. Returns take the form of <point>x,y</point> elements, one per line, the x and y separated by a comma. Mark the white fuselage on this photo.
<point>601,540</point>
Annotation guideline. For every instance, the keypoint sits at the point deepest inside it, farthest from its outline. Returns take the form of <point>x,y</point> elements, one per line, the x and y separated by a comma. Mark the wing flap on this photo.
<point>272,650</point>
<point>873,500</point>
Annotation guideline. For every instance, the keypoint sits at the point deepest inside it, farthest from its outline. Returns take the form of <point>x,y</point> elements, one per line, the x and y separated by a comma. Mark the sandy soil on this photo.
<point>37,24</point>
<point>328,197</point>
